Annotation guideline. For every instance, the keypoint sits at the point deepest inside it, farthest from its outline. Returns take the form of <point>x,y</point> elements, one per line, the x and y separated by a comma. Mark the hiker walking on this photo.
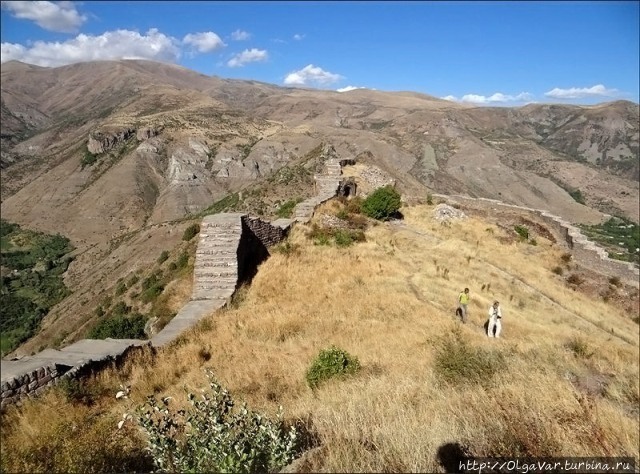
<point>463,302</point>
<point>495,315</point>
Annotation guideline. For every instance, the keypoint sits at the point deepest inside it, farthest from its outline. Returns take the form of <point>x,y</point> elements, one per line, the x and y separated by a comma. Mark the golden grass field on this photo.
<point>567,383</point>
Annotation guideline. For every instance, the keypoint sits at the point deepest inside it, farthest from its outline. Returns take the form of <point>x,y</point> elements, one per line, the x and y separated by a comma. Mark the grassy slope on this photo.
<point>390,301</point>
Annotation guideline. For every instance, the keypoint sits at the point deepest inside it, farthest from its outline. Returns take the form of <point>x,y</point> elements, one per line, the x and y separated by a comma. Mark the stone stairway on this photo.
<point>215,274</point>
<point>327,185</point>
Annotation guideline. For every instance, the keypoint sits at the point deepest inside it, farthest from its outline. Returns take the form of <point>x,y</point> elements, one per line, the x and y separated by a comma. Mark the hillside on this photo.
<point>561,381</point>
<point>121,156</point>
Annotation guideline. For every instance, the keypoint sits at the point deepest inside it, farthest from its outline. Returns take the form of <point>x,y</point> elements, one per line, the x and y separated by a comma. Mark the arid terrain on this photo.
<point>120,157</point>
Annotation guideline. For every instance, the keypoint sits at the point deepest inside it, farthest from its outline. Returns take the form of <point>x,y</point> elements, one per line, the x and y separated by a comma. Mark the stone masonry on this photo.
<point>584,251</point>
<point>229,249</point>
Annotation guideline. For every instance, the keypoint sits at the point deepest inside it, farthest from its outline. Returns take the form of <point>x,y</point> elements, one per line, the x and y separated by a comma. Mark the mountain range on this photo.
<point>118,156</point>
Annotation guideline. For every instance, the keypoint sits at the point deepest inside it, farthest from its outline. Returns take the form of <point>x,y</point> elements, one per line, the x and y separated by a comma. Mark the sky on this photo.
<point>485,53</point>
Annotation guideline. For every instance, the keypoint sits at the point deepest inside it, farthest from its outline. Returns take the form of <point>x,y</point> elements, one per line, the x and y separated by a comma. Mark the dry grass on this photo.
<point>390,302</point>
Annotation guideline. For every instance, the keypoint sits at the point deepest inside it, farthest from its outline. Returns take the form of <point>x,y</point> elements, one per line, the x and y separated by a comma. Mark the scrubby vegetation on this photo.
<point>120,327</point>
<point>190,232</point>
<point>382,204</point>
<point>286,209</point>
<point>215,435</point>
<point>32,268</point>
<point>562,378</point>
<point>331,363</point>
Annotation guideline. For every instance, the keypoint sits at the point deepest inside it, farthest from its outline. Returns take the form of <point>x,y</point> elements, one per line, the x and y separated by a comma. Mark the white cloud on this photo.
<point>59,16</point>
<point>204,42</point>
<point>580,93</point>
<point>349,88</point>
<point>118,44</point>
<point>298,37</point>
<point>248,56</point>
<point>311,75</point>
<point>240,35</point>
<point>498,97</point>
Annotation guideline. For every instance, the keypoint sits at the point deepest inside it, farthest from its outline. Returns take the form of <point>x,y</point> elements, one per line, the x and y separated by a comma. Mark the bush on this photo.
<point>214,436</point>
<point>190,232</point>
<point>165,255</point>
<point>558,270</point>
<point>330,363</point>
<point>120,327</point>
<point>458,363</point>
<point>345,237</point>
<point>286,209</point>
<point>382,204</point>
<point>121,288</point>
<point>88,159</point>
<point>522,231</point>
<point>577,196</point>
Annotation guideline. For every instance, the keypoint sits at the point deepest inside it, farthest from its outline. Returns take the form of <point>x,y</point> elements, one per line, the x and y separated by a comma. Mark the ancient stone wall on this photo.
<point>268,233</point>
<point>584,251</point>
<point>230,248</point>
<point>30,383</point>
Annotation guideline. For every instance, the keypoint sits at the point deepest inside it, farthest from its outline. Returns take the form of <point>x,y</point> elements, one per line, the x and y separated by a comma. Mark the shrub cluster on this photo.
<point>190,232</point>
<point>382,204</point>
<point>213,435</point>
<point>286,209</point>
<point>341,237</point>
<point>330,363</point>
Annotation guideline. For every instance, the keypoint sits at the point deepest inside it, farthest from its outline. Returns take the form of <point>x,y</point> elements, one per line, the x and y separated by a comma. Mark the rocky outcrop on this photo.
<point>145,133</point>
<point>101,142</point>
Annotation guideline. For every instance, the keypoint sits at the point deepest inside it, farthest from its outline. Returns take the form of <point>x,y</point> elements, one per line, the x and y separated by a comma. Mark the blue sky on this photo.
<point>487,53</point>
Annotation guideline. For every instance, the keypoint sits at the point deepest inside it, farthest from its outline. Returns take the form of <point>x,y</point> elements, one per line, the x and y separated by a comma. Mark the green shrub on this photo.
<point>458,363</point>
<point>577,196</point>
<point>286,209</point>
<point>212,435</point>
<point>88,159</point>
<point>120,327</point>
<point>522,231</point>
<point>99,311</point>
<point>430,199</point>
<point>615,281</point>
<point>165,255</point>
<point>183,260</point>
<point>346,237</point>
<point>121,288</point>
<point>558,270</point>
<point>330,363</point>
<point>190,232</point>
<point>382,204</point>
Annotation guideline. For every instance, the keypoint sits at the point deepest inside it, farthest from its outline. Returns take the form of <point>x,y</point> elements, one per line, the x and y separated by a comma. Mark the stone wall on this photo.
<point>584,251</point>
<point>230,249</point>
<point>31,376</point>
<point>31,383</point>
<point>269,234</point>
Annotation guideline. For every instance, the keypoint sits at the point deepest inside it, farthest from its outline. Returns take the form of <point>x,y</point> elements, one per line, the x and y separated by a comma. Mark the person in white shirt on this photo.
<point>495,315</point>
